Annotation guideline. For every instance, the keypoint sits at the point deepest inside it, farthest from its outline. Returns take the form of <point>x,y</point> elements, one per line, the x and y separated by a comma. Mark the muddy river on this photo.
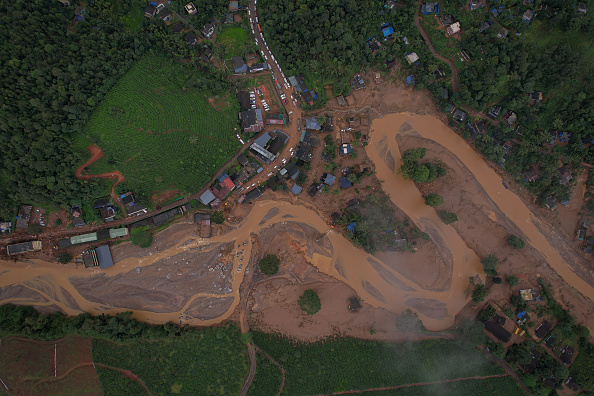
<point>380,285</point>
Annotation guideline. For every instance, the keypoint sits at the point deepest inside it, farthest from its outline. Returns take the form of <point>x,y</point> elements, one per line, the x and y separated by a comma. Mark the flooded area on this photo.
<point>196,281</point>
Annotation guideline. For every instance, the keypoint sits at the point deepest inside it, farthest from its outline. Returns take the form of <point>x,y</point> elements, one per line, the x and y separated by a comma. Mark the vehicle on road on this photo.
<point>291,112</point>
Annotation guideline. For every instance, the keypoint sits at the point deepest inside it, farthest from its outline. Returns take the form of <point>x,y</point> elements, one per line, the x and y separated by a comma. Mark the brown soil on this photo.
<point>160,197</point>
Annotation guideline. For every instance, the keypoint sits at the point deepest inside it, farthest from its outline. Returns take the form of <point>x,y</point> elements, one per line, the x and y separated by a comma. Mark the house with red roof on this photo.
<point>223,186</point>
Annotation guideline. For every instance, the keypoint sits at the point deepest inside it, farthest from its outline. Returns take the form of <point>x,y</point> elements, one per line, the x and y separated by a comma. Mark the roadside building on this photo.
<point>430,8</point>
<point>258,67</point>
<point>312,124</point>
<point>239,66</point>
<point>543,329</point>
<point>207,197</point>
<point>275,146</point>
<point>298,83</point>
<point>252,120</point>
<point>150,11</point>
<point>453,28</point>
<point>497,330</point>
<point>252,195</point>
<point>191,8</point>
<point>133,208</point>
<point>23,247</point>
<point>164,217</point>
<point>223,186</point>
<point>275,118</point>
<point>100,256</point>
<point>77,217</point>
<point>190,39</point>
<point>244,100</point>
<point>208,29</point>
<point>165,15</point>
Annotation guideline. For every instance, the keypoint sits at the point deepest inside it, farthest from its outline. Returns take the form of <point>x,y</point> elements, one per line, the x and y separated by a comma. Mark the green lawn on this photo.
<point>349,364</point>
<point>212,363</point>
<point>157,127</point>
<point>235,39</point>
<point>114,383</point>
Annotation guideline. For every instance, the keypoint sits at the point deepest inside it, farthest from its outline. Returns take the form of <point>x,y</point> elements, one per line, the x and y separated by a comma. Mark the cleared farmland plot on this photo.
<point>157,127</point>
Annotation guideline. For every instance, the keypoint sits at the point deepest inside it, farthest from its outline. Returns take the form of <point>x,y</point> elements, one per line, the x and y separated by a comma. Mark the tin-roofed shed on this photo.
<point>85,238</point>
<point>104,257</point>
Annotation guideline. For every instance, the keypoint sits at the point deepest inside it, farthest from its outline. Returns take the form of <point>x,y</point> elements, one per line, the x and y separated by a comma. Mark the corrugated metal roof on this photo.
<point>118,232</point>
<point>85,238</point>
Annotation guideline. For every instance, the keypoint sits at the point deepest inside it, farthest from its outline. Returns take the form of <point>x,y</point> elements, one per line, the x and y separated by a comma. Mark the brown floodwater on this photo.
<point>377,283</point>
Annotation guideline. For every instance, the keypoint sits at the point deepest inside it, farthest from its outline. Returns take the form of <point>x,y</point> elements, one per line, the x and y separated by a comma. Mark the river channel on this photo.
<point>377,283</point>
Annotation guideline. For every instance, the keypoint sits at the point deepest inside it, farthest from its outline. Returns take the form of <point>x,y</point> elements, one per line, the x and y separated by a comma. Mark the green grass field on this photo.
<point>350,364</point>
<point>114,383</point>
<point>212,363</point>
<point>157,127</point>
<point>235,39</point>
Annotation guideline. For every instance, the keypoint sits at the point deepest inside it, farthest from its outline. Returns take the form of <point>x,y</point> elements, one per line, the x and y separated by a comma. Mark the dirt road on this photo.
<point>97,154</point>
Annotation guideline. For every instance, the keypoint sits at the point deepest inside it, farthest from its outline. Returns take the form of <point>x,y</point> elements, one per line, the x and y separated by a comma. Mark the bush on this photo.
<point>58,222</point>
<point>479,293</point>
<point>489,264</point>
<point>64,258</point>
<point>269,264</point>
<point>497,280</point>
<point>310,302</point>
<point>517,302</point>
<point>433,199</point>
<point>217,217</point>
<point>448,217</point>
<point>512,281</point>
<point>409,322</point>
<point>141,236</point>
<point>516,242</point>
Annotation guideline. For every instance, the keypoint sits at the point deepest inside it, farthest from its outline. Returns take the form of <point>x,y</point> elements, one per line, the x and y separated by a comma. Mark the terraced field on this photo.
<point>157,127</point>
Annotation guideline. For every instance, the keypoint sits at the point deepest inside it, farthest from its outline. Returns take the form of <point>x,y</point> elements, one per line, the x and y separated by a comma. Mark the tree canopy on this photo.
<point>269,264</point>
<point>310,302</point>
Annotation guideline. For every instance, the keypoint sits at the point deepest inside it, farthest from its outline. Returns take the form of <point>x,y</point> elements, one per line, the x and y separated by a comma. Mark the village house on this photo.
<point>275,118</point>
<point>481,126</point>
<point>531,175</point>
<point>208,29</point>
<point>190,39</point>
<point>373,44</point>
<point>252,120</point>
<point>340,100</point>
<point>536,96</point>
<point>296,189</point>
<point>133,208</point>
<point>222,186</point>
<point>511,118</point>
<point>476,4</point>
<point>205,53</point>
<point>191,8</point>
<point>446,20</point>
<point>207,197</point>
<point>239,66</point>
<point>243,97</point>
<point>485,26</point>
<point>150,11</point>
<point>527,16</point>
<point>258,67</point>
<point>453,28</point>
<point>411,57</point>
<point>564,136</point>
<point>430,8</point>
<point>233,6</point>
<point>387,30</point>
<point>309,97</point>
<point>79,14</point>
<point>252,195</point>
<point>345,149</point>
<point>77,217</point>
<point>5,227</point>
<point>502,33</point>
<point>358,82</point>
<point>460,116</point>
<point>298,83</point>
<point>99,256</point>
<point>23,247</point>
<point>581,8</point>
<point>165,15</point>
<point>390,4</point>
<point>106,209</point>
<point>564,175</point>
<point>312,124</point>
<point>495,111</point>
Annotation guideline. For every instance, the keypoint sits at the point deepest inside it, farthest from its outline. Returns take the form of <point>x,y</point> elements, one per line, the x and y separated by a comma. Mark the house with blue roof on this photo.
<point>410,80</point>
<point>312,123</point>
<point>329,179</point>
<point>296,189</point>
<point>346,148</point>
<point>387,31</point>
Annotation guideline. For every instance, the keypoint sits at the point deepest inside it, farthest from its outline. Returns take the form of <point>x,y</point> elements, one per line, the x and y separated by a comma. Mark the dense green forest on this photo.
<point>54,72</point>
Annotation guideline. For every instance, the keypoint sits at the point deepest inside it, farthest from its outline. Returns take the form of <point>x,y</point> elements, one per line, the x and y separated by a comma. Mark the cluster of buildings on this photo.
<point>307,95</point>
